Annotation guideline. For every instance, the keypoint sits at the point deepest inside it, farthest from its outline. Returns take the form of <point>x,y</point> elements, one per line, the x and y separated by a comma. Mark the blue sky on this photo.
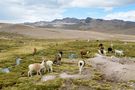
<point>18,11</point>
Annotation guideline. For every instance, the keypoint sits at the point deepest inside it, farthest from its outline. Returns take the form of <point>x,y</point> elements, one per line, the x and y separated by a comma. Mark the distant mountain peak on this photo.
<point>66,20</point>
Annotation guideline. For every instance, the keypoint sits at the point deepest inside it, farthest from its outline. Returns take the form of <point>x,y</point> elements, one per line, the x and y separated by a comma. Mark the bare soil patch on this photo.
<point>115,69</point>
<point>48,77</point>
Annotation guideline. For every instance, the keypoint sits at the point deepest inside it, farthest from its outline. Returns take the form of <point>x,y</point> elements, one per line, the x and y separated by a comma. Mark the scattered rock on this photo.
<point>4,70</point>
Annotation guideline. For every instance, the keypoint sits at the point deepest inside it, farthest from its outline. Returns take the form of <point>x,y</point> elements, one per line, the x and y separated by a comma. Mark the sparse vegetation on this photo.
<point>17,79</point>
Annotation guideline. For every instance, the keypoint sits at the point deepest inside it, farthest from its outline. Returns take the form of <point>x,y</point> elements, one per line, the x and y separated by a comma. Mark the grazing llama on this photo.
<point>57,59</point>
<point>119,52</point>
<point>83,53</point>
<point>36,67</point>
<point>49,66</point>
<point>110,49</point>
<point>81,64</point>
<point>102,52</point>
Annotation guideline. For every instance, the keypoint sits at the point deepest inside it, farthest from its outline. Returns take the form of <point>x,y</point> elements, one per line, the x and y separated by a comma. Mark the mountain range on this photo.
<point>100,25</point>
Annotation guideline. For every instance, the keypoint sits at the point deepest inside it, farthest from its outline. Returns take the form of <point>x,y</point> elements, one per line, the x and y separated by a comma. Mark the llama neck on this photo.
<point>42,62</point>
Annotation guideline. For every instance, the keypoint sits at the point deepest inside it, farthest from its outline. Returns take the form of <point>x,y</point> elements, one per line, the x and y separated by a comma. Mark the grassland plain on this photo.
<point>14,45</point>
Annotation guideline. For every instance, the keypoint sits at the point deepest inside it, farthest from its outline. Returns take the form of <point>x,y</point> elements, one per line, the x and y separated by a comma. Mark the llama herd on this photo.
<point>110,50</point>
<point>47,65</point>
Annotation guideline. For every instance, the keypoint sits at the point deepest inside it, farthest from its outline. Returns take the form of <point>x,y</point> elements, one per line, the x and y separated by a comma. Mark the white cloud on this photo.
<point>127,16</point>
<point>23,11</point>
<point>100,3</point>
<point>36,10</point>
<point>35,13</point>
<point>107,5</point>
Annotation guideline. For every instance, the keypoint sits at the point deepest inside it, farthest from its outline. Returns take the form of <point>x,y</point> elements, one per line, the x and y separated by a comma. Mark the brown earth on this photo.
<point>115,69</point>
<point>49,33</point>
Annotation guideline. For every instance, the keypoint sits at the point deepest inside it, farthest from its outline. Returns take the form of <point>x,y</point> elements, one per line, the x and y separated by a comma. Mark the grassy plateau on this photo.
<point>13,46</point>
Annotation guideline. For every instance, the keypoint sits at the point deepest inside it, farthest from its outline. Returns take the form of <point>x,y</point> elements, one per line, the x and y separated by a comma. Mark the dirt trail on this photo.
<point>114,69</point>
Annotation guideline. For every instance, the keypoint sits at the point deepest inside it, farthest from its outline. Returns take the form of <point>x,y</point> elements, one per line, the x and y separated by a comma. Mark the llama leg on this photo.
<point>105,52</point>
<point>39,73</point>
<point>60,62</point>
<point>31,73</point>
<point>51,69</point>
<point>56,62</point>
<point>120,54</point>
<point>80,70</point>
<point>28,73</point>
<point>99,51</point>
<point>44,70</point>
<point>48,69</point>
